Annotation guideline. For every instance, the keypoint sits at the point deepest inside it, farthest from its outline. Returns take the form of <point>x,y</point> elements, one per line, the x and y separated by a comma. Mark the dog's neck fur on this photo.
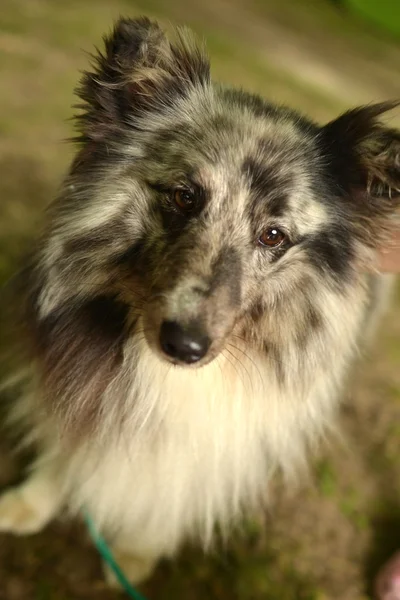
<point>203,443</point>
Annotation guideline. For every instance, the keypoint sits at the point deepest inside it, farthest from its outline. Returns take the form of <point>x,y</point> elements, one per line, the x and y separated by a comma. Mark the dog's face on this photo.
<point>215,209</point>
<point>231,207</point>
<point>196,215</point>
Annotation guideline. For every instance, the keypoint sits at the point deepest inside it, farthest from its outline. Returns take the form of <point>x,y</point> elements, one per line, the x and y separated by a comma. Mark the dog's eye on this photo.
<point>184,199</point>
<point>271,237</point>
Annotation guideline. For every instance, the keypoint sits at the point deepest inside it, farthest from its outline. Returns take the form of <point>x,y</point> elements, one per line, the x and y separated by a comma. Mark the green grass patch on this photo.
<point>326,478</point>
<point>383,13</point>
<point>45,591</point>
<point>350,507</point>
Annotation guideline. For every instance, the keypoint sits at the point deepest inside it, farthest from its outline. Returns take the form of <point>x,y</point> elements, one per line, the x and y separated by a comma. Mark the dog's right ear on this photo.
<point>139,71</point>
<point>363,160</point>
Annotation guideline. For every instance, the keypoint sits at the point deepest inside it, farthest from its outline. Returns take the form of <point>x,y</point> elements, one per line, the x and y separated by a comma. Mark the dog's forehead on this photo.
<point>264,157</point>
<point>238,134</point>
<point>251,151</point>
<point>267,165</point>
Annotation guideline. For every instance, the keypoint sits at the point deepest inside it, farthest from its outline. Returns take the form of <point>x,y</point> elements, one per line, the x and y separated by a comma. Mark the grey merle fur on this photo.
<point>119,256</point>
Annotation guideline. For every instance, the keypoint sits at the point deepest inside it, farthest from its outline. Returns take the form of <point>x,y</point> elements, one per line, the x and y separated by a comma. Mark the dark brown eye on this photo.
<point>271,237</point>
<point>184,199</point>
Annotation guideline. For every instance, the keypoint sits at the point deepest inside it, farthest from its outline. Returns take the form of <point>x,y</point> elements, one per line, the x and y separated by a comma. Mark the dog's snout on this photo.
<point>185,344</point>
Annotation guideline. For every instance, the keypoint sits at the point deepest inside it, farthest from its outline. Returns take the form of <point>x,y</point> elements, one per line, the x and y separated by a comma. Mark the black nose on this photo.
<point>186,344</point>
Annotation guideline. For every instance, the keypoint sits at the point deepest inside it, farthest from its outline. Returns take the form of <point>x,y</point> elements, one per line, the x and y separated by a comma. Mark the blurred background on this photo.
<point>325,539</point>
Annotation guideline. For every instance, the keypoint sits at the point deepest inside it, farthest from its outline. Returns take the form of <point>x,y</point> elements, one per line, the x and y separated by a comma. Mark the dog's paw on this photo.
<point>136,569</point>
<point>18,515</point>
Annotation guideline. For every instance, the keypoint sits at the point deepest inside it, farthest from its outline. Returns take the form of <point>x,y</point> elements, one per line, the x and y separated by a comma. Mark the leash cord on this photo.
<point>105,552</point>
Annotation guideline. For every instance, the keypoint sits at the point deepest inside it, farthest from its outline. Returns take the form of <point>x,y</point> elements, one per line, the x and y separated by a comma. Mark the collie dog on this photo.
<point>196,297</point>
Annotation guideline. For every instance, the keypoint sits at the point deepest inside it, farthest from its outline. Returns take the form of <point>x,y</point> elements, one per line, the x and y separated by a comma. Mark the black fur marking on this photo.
<point>100,237</point>
<point>309,326</point>
<point>268,186</point>
<point>101,317</point>
<point>132,256</point>
<point>79,349</point>
<point>277,205</point>
<point>260,176</point>
<point>333,251</point>
<point>201,291</point>
<point>313,319</point>
<point>173,221</point>
<point>276,253</point>
<point>257,311</point>
<point>222,123</point>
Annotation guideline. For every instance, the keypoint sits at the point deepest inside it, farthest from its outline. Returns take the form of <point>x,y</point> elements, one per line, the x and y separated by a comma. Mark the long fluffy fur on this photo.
<point>155,451</point>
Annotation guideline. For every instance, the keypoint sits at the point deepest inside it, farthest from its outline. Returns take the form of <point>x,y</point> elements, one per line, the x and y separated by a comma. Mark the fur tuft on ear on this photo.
<point>362,153</point>
<point>139,70</point>
<point>363,161</point>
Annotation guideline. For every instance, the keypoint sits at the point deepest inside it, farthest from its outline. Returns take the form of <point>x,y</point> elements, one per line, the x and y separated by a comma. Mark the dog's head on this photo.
<point>202,212</point>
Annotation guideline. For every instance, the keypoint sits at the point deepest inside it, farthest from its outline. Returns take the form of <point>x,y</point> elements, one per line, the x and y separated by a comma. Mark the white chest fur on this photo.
<point>194,446</point>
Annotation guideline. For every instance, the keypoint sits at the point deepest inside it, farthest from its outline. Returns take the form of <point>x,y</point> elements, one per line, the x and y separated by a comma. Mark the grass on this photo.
<point>385,13</point>
<point>326,478</point>
<point>350,506</point>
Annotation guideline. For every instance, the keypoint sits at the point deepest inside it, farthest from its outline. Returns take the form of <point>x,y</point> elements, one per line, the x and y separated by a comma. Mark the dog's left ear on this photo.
<point>138,71</point>
<point>363,161</point>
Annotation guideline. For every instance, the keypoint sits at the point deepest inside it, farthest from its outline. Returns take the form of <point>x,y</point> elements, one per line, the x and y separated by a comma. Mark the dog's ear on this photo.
<point>363,161</point>
<point>139,70</point>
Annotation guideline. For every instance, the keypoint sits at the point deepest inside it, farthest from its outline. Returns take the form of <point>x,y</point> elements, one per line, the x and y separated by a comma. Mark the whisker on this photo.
<point>248,358</point>
<point>233,364</point>
<point>277,360</point>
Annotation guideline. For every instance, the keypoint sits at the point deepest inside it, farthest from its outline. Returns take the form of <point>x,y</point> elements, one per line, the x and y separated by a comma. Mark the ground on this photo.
<point>325,538</point>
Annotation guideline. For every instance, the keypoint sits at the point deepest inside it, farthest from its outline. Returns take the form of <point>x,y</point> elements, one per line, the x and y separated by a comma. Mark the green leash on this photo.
<point>106,554</point>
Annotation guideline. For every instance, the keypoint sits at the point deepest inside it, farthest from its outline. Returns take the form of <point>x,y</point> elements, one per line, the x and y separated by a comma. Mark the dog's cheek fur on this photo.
<point>332,253</point>
<point>293,327</point>
<point>78,350</point>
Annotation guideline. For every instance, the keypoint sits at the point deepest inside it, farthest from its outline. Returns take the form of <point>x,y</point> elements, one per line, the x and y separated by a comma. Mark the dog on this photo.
<point>197,296</point>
